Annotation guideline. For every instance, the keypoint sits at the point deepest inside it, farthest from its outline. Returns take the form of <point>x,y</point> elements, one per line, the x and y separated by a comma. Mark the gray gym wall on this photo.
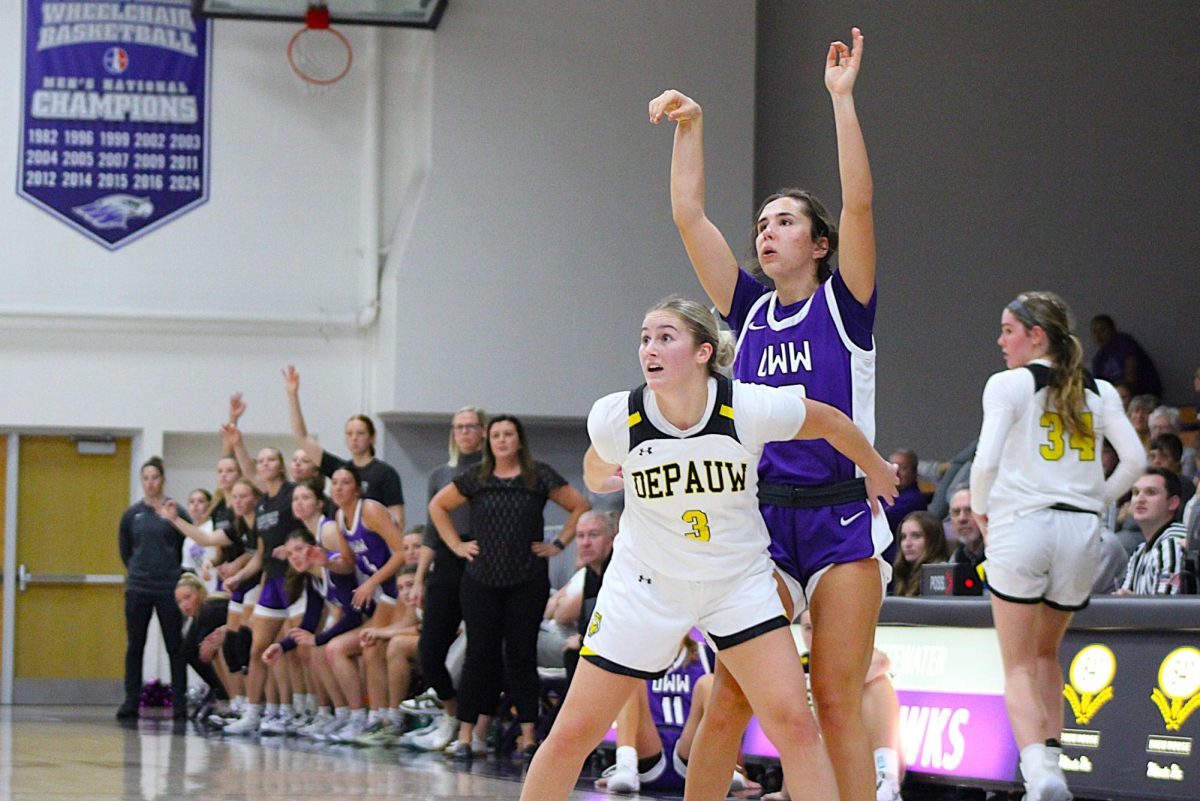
<point>1015,145</point>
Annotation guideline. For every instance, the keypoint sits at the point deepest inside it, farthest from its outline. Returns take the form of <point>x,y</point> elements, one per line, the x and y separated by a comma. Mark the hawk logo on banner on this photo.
<point>1177,695</point>
<point>114,128</point>
<point>1091,676</point>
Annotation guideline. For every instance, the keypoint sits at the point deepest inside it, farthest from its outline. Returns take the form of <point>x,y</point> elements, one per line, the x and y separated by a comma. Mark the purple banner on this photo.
<point>114,129</point>
<point>949,734</point>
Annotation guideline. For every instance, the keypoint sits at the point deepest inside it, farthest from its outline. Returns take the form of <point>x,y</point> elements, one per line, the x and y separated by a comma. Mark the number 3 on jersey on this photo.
<point>699,523</point>
<point>1057,442</point>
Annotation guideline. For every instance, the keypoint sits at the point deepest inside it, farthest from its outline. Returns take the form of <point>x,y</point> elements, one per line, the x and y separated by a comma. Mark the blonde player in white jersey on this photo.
<point>692,551</point>
<point>1037,490</point>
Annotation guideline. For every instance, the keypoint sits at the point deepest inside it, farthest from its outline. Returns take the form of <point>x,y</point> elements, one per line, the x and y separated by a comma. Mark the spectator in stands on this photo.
<point>958,473</point>
<point>1156,566</point>
<point>1166,451</point>
<point>573,604</point>
<point>505,582</point>
<point>1121,359</point>
<point>1139,414</point>
<point>966,529</point>
<point>910,498</point>
<point>1165,420</point>
<point>151,549</point>
<point>922,542</point>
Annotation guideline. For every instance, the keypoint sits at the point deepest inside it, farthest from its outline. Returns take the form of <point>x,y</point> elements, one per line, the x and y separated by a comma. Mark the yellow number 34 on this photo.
<point>1056,440</point>
<point>699,523</point>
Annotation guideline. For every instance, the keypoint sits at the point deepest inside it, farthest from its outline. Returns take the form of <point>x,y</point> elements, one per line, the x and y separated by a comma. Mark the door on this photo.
<point>69,636</point>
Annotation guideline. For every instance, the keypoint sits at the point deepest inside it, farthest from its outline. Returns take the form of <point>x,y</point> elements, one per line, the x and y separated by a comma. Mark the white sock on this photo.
<point>342,712</point>
<point>358,714</point>
<point>239,703</point>
<point>887,766</point>
<point>323,713</point>
<point>393,715</point>
<point>372,716</point>
<point>627,758</point>
<point>253,711</point>
<point>1033,762</point>
<point>298,703</point>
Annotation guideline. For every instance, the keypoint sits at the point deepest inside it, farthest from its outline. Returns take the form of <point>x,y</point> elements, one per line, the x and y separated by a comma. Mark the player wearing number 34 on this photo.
<point>1037,490</point>
<point>684,447</point>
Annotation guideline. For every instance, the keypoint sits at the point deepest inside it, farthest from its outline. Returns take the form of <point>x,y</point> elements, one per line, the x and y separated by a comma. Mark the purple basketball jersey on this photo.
<point>821,348</point>
<point>338,588</point>
<point>671,693</point>
<point>370,550</point>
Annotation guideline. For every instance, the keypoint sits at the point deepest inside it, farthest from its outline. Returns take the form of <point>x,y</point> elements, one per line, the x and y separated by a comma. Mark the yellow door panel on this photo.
<point>69,506</point>
<point>71,632</point>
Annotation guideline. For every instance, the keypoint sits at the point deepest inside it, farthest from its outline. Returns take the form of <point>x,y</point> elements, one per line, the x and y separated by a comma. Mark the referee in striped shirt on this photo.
<point>1157,564</point>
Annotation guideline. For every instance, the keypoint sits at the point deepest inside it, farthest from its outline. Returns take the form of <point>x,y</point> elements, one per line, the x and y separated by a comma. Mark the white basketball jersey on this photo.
<point>691,496</point>
<point>1026,458</point>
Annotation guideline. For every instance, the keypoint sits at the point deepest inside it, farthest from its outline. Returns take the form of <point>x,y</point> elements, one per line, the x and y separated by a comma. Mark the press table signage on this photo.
<point>114,127</point>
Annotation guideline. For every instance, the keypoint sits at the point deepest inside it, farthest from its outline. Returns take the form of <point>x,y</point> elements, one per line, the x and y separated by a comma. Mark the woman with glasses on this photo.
<point>437,584</point>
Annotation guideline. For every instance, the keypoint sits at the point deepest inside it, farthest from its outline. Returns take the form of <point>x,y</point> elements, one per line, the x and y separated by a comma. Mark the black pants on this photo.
<point>206,671</point>
<point>439,628</point>
<point>502,628</point>
<point>138,608</point>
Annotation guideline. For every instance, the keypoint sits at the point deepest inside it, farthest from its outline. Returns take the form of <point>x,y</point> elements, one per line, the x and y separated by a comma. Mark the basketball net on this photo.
<point>319,55</point>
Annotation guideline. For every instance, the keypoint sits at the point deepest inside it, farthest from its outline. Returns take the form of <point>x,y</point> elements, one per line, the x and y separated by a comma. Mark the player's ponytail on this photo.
<point>1049,312</point>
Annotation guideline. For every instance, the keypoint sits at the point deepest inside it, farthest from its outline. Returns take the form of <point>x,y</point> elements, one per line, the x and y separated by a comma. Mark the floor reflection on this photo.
<point>61,753</point>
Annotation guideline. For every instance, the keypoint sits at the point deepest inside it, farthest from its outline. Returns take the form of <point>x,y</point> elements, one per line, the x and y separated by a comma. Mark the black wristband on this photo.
<point>557,543</point>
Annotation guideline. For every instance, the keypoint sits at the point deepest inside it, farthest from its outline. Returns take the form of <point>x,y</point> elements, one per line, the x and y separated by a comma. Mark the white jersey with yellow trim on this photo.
<point>1026,458</point>
<point>691,496</point>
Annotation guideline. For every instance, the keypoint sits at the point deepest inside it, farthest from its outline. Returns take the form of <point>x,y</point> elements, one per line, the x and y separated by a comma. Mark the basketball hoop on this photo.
<point>318,54</point>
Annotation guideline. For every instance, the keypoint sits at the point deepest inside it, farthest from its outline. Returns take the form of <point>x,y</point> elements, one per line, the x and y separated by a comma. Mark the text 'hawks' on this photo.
<point>710,475</point>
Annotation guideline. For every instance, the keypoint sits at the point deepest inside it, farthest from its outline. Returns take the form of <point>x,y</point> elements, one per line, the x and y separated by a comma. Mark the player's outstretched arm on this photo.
<point>710,254</point>
<point>856,230</point>
<point>311,448</point>
<point>823,421</point>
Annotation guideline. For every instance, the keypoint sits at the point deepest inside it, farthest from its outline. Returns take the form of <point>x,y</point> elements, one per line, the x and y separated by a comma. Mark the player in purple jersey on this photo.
<point>368,536</point>
<point>657,726</point>
<point>322,577</point>
<point>811,334</point>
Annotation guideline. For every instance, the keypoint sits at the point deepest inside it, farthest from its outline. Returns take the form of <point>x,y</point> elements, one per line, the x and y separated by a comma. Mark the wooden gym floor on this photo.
<point>61,753</point>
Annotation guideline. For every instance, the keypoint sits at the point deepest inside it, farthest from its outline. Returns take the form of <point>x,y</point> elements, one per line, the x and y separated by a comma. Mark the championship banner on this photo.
<point>114,125</point>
